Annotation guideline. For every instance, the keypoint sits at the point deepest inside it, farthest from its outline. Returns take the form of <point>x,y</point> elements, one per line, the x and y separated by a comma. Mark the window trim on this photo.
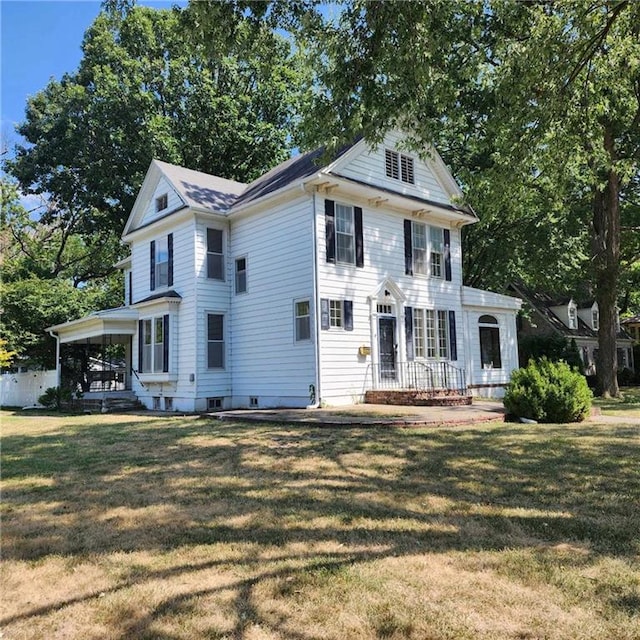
<point>162,202</point>
<point>297,317</point>
<point>399,166</point>
<point>489,325</point>
<point>221,254</point>
<point>148,327</point>
<point>237,273</point>
<point>221,341</point>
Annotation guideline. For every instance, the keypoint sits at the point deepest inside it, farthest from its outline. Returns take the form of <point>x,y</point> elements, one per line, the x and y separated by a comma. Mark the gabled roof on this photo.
<point>296,168</point>
<point>542,303</point>
<point>201,190</point>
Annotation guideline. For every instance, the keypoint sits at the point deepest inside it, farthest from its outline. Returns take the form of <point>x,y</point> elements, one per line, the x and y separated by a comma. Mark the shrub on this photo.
<point>54,397</point>
<point>548,392</point>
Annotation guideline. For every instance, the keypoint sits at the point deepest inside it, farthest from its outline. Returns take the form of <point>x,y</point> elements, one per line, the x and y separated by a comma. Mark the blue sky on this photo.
<point>40,40</point>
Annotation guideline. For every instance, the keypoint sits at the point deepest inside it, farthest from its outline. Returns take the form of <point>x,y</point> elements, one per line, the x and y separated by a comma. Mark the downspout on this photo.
<point>58,367</point>
<point>316,306</point>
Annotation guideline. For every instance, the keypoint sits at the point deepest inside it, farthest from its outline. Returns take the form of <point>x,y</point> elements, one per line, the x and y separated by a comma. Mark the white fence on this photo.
<point>24,389</point>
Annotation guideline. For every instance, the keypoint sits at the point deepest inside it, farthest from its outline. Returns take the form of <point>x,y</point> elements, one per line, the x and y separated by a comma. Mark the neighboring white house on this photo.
<point>313,284</point>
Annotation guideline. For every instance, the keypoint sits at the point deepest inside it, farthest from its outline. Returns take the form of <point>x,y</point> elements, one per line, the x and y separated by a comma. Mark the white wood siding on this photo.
<point>345,372</point>
<point>213,296</point>
<point>267,362</point>
<point>369,167</point>
<point>183,316</point>
<point>173,200</point>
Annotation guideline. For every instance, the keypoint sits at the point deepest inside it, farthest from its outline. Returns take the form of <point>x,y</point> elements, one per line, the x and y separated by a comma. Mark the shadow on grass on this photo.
<point>374,493</point>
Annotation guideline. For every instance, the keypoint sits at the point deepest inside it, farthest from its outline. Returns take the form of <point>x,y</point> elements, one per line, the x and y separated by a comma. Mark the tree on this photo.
<point>144,91</point>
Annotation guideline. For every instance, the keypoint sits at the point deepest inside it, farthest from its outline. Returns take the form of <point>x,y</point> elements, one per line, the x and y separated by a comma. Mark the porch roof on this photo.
<point>118,324</point>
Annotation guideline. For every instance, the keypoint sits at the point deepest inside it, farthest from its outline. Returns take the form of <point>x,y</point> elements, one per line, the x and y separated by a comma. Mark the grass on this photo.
<point>118,527</point>
<point>628,405</point>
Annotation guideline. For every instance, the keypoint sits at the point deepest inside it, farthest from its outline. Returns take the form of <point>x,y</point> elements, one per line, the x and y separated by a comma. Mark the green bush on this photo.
<point>548,392</point>
<point>55,397</point>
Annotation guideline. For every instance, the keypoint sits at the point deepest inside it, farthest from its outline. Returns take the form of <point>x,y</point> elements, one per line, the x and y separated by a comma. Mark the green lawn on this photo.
<point>628,405</point>
<point>119,527</point>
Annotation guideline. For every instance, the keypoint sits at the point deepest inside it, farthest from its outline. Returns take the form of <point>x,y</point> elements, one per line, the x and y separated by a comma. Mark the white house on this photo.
<point>314,284</point>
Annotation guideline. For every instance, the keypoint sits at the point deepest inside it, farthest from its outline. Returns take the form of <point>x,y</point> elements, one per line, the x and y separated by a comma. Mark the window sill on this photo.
<point>158,377</point>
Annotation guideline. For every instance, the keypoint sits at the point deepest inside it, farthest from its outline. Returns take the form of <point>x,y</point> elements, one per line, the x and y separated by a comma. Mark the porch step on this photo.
<point>446,398</point>
<point>112,405</point>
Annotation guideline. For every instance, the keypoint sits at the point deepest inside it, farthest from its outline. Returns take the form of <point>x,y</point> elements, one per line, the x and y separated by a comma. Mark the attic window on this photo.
<point>162,202</point>
<point>595,318</point>
<point>399,167</point>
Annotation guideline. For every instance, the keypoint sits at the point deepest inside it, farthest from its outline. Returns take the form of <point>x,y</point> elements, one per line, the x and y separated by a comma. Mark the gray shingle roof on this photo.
<point>202,190</point>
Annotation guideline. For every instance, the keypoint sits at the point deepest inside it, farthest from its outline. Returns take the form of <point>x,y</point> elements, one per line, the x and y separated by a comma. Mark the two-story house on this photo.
<point>314,284</point>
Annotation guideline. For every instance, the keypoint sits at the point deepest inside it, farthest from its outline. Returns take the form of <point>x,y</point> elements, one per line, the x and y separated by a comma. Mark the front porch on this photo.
<point>417,383</point>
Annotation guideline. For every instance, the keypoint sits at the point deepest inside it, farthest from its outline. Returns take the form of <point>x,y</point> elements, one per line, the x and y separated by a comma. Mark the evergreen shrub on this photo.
<point>548,391</point>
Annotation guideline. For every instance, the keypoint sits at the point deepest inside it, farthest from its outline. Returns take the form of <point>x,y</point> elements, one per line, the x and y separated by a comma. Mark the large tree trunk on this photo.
<point>606,256</point>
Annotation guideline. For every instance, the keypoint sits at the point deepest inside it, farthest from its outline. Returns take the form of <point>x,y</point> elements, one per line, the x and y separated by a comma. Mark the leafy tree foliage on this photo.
<point>143,91</point>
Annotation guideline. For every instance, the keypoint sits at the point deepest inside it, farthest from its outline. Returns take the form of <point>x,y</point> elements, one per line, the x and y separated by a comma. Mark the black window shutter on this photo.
<point>447,255</point>
<point>330,229</point>
<point>324,313</point>
<point>408,249</point>
<point>348,315</point>
<point>357,214</point>
<point>130,287</point>
<point>152,275</point>
<point>453,342</point>
<point>140,343</point>
<point>165,344</point>
<point>170,252</point>
<point>408,331</point>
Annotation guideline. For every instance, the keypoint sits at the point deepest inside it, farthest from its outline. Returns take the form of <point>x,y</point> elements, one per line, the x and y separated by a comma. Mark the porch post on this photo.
<point>58,364</point>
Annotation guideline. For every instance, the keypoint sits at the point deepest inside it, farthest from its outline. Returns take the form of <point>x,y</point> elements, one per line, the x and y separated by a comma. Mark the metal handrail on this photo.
<point>135,373</point>
<point>419,376</point>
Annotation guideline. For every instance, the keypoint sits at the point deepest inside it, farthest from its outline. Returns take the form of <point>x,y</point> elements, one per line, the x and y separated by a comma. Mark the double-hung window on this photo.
<point>303,320</point>
<point>215,341</point>
<point>161,262</point>
<point>345,234</point>
<point>420,248</point>
<point>215,254</point>
<point>241,275</point>
<point>436,251</point>
<point>426,250</point>
<point>153,336</point>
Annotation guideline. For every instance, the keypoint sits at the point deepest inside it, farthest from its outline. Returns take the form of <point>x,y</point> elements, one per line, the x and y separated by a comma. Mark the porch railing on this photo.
<point>418,376</point>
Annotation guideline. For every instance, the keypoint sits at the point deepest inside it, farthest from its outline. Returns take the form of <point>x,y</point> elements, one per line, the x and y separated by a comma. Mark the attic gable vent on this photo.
<point>162,202</point>
<point>399,167</point>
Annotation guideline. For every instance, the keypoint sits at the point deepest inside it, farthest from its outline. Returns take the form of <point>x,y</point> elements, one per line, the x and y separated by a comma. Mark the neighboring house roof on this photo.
<point>542,303</point>
<point>631,320</point>
<point>201,190</point>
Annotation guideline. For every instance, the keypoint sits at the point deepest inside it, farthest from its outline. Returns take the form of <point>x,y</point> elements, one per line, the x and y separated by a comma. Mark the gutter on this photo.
<point>58,367</point>
<point>316,306</point>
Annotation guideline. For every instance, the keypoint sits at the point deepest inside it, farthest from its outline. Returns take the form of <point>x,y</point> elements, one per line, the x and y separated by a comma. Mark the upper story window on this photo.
<point>241,275</point>
<point>215,254</point>
<point>399,167</point>
<point>162,202</point>
<point>343,233</point>
<point>595,318</point>
<point>161,262</point>
<point>427,250</point>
